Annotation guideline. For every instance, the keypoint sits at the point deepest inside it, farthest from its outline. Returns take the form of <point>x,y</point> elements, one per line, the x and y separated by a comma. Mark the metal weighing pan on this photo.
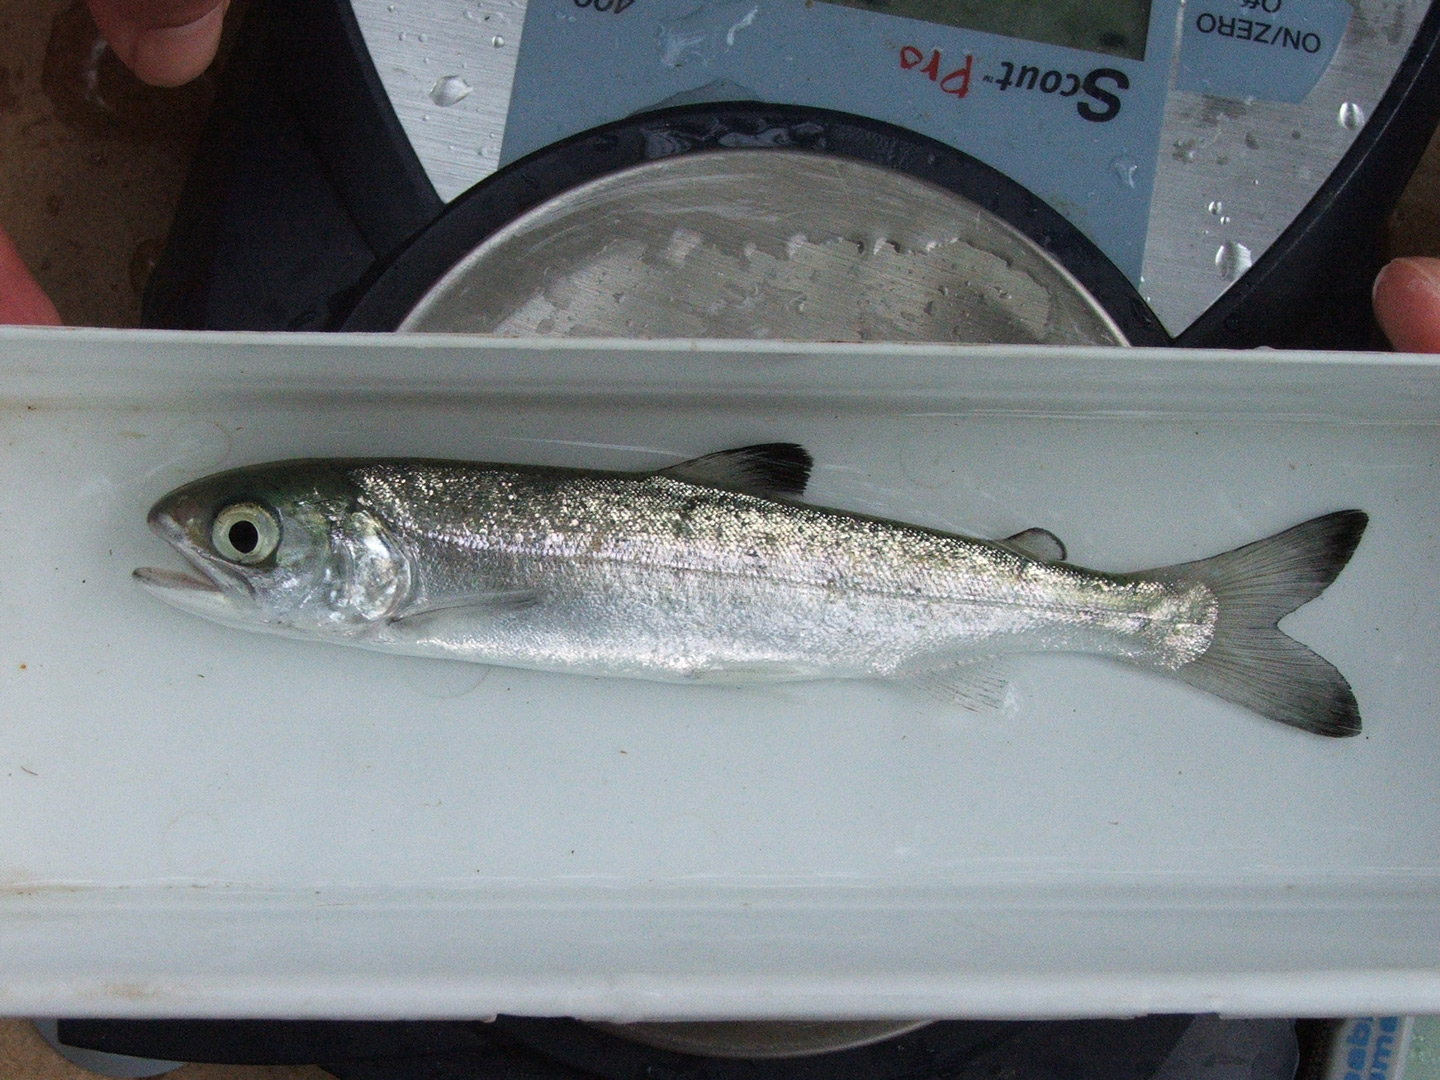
<point>747,221</point>
<point>791,245</point>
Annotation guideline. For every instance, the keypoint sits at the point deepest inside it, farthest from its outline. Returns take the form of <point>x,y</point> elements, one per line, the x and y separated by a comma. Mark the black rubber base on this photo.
<point>557,1049</point>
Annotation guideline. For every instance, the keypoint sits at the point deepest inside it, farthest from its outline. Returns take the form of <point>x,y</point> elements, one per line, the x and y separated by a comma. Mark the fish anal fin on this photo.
<point>978,686</point>
<point>1039,544</point>
<point>766,469</point>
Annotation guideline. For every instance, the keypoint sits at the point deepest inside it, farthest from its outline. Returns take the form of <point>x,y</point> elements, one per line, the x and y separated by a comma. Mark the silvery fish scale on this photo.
<point>708,571</point>
<point>656,577</point>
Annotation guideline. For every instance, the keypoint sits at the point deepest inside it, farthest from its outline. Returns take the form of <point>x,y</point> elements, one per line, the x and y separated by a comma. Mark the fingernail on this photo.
<point>172,55</point>
<point>1413,273</point>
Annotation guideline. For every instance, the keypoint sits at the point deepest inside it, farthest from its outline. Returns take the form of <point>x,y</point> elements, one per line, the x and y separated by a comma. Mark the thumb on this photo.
<point>165,42</point>
<point>22,301</point>
<point>1407,304</point>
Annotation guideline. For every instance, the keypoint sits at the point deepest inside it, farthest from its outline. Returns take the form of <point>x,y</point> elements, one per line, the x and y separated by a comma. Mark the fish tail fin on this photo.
<point>1250,661</point>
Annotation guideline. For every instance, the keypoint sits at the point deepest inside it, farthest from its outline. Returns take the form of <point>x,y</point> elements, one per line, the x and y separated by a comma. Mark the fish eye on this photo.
<point>245,533</point>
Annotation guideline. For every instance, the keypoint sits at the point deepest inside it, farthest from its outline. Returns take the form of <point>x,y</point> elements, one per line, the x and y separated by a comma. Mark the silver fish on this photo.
<point>711,570</point>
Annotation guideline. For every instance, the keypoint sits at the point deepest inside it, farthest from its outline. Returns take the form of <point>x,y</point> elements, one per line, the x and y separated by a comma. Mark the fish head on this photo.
<point>285,548</point>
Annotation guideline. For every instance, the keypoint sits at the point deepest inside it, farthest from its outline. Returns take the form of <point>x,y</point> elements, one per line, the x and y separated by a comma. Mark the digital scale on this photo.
<point>1195,172</point>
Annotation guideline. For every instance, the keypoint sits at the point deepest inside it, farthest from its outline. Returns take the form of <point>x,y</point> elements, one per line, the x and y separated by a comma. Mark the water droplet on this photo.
<point>1232,259</point>
<point>498,41</point>
<point>390,7</point>
<point>1351,116</point>
<point>1216,207</point>
<point>1124,170</point>
<point>449,90</point>
<point>422,38</point>
<point>404,36</point>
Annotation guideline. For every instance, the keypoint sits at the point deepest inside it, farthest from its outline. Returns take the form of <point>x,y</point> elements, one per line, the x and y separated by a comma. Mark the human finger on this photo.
<point>22,301</point>
<point>165,42</point>
<point>1407,304</point>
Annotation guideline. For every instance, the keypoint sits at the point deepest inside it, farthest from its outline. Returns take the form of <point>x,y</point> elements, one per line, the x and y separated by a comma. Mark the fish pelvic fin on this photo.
<point>1250,661</point>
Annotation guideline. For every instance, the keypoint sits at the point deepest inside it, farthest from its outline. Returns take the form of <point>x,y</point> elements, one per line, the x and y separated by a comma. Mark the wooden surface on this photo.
<point>24,1055</point>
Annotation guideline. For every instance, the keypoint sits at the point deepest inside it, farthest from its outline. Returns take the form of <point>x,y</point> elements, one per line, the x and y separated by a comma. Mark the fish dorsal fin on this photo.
<point>1039,544</point>
<point>766,469</point>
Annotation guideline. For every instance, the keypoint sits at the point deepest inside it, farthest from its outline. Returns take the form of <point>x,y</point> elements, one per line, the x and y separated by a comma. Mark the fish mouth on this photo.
<point>158,580</point>
<point>199,596</point>
<point>202,591</point>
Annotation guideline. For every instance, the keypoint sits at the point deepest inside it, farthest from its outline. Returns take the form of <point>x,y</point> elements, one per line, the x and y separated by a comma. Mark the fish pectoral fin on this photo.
<point>496,603</point>
<point>766,469</point>
<point>749,674</point>
<point>977,686</point>
<point>1039,544</point>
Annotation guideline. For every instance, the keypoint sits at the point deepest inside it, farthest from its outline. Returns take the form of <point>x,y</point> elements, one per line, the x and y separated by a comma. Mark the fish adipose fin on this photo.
<point>1250,661</point>
<point>1039,544</point>
<point>767,469</point>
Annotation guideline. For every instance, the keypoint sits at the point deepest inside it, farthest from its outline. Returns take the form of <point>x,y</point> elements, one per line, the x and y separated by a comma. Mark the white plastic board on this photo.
<point>200,821</point>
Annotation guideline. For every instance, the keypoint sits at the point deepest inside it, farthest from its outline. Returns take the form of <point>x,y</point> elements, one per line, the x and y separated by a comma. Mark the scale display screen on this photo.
<point>1117,27</point>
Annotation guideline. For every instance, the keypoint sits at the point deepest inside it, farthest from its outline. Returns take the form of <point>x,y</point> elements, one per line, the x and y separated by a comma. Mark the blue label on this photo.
<point>1079,129</point>
<point>1372,1050</point>
<point>1274,50</point>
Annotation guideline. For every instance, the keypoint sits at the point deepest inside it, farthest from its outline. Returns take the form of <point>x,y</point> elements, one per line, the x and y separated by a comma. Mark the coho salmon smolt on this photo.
<point>713,571</point>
